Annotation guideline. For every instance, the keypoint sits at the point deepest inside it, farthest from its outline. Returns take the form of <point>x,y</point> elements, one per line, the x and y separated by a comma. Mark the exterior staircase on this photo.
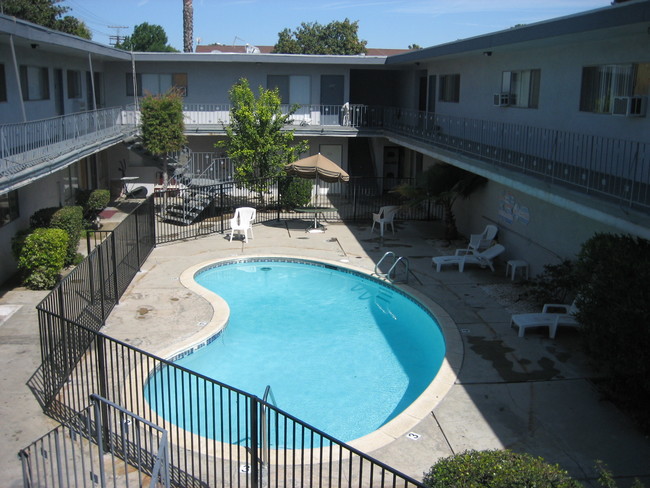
<point>198,178</point>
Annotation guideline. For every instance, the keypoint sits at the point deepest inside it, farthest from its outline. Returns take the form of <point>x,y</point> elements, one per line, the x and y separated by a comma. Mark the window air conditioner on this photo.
<point>502,99</point>
<point>634,106</point>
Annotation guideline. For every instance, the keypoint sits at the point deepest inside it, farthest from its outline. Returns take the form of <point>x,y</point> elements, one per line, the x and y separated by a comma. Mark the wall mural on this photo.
<point>511,211</point>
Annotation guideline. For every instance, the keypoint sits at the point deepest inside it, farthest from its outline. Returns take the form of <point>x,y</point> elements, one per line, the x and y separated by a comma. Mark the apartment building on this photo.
<point>553,114</point>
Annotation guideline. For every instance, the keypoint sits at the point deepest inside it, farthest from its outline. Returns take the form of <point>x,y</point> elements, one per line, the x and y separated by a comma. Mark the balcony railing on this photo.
<point>613,169</point>
<point>24,145</point>
<point>306,115</point>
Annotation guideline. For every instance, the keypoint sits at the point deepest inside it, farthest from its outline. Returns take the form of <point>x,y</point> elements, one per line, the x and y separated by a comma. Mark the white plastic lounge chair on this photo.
<point>384,217</point>
<point>479,242</point>
<point>242,222</point>
<point>549,317</point>
<point>461,258</point>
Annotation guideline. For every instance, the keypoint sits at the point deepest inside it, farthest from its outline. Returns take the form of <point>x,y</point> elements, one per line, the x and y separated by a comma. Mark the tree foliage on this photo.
<point>256,140</point>
<point>314,38</point>
<point>146,38</point>
<point>444,184</point>
<point>47,13</point>
<point>162,125</point>
<point>614,312</point>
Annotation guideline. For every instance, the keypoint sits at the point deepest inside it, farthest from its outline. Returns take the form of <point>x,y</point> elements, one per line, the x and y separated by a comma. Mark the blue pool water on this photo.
<point>341,352</point>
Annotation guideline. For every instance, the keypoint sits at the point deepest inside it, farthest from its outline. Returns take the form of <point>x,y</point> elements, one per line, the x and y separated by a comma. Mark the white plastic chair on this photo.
<point>547,318</point>
<point>461,258</point>
<point>242,222</point>
<point>384,217</point>
<point>479,242</point>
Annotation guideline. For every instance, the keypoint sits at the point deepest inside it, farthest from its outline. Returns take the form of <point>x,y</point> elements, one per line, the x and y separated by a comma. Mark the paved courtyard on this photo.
<point>529,394</point>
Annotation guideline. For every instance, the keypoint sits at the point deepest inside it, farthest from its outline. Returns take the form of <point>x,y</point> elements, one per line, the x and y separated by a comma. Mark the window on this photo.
<point>35,83</point>
<point>449,88</point>
<point>522,87</point>
<point>292,89</point>
<point>600,84</point>
<point>156,83</point>
<point>3,84</point>
<point>74,84</point>
<point>8,207</point>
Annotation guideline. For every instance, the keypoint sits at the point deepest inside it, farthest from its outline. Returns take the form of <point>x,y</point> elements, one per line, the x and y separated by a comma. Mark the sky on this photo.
<point>383,23</point>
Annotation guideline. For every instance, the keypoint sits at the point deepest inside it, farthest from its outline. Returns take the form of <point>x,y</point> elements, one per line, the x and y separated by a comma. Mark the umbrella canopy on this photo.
<point>318,167</point>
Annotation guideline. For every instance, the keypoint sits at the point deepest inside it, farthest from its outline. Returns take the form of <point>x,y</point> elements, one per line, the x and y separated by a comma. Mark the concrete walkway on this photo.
<point>528,394</point>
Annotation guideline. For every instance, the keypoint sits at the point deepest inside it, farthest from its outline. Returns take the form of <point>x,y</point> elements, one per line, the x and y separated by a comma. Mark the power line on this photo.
<point>117,39</point>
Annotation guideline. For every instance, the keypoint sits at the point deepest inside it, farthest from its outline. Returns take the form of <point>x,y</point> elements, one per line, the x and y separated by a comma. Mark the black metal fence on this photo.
<point>104,445</point>
<point>353,201</point>
<point>87,296</point>
<point>218,435</point>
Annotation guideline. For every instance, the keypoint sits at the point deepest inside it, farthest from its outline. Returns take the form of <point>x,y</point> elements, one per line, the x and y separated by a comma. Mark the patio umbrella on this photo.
<point>317,167</point>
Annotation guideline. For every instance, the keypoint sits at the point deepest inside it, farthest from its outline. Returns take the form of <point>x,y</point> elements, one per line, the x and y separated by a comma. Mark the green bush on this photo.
<point>296,192</point>
<point>557,284</point>
<point>97,201</point>
<point>614,312</point>
<point>42,217</point>
<point>496,469</point>
<point>71,220</point>
<point>42,257</point>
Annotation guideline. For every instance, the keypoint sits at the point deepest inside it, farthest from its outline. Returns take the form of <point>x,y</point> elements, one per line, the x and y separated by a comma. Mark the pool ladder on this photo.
<point>392,272</point>
<point>268,397</point>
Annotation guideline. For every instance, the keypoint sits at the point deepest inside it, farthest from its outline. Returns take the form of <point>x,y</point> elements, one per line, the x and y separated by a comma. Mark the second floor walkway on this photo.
<point>611,169</point>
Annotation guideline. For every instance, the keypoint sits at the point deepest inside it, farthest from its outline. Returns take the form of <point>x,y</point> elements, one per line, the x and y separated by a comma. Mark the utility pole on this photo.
<point>117,39</point>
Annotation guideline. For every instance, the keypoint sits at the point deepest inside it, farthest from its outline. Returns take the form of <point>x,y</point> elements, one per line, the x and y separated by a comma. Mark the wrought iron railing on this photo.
<point>216,435</point>
<point>355,200</point>
<point>612,169</point>
<point>23,145</point>
<point>103,445</point>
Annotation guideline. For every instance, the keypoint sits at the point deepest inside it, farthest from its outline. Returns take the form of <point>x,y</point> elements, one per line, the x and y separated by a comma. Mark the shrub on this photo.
<point>557,284</point>
<point>42,257</point>
<point>496,469</point>
<point>70,219</point>
<point>97,201</point>
<point>296,192</point>
<point>42,217</point>
<point>614,311</point>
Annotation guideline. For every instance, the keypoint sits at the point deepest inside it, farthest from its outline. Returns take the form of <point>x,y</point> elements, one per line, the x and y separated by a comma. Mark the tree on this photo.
<point>146,38</point>
<point>256,140</point>
<point>443,183</point>
<point>314,38</point>
<point>162,126</point>
<point>46,13</point>
<point>414,46</point>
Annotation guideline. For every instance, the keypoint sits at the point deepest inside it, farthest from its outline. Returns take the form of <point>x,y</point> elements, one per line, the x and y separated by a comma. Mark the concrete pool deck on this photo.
<point>529,394</point>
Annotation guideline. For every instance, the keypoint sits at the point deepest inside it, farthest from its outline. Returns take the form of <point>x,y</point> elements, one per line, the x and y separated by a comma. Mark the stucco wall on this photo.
<point>529,228</point>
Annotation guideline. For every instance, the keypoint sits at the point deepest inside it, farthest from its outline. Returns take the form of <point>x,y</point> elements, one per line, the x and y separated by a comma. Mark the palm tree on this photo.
<point>188,26</point>
<point>444,184</point>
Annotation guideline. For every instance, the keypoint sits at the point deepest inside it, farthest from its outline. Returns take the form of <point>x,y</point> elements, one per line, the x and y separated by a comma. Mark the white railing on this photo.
<point>27,144</point>
<point>306,115</point>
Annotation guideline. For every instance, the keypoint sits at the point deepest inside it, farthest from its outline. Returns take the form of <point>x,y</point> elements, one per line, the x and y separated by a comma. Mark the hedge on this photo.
<point>496,469</point>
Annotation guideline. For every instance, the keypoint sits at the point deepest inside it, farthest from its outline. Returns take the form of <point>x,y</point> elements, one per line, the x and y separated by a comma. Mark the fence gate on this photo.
<point>102,446</point>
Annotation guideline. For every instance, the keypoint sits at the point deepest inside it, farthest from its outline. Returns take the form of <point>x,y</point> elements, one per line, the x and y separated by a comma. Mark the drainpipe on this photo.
<point>20,88</point>
<point>92,81</point>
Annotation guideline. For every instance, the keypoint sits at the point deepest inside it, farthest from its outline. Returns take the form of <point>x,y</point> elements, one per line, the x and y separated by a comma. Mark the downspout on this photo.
<point>92,81</point>
<point>20,88</point>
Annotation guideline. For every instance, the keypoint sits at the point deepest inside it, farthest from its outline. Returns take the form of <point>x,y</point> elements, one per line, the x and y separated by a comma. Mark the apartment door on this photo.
<point>431,99</point>
<point>59,106</point>
<point>331,98</point>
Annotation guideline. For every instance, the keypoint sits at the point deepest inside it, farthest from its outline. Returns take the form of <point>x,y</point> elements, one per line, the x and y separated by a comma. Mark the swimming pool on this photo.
<point>342,351</point>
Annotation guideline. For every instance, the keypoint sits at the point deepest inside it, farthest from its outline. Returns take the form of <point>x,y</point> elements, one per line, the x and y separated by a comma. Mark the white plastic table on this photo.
<point>513,265</point>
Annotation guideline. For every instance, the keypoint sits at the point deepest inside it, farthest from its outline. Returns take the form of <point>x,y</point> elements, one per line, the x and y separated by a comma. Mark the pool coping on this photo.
<point>401,425</point>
